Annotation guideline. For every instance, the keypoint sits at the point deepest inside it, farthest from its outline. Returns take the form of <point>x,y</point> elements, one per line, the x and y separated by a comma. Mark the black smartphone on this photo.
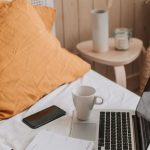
<point>44,116</point>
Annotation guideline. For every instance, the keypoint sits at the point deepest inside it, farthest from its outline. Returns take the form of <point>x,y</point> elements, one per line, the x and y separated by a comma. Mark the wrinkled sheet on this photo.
<point>15,134</point>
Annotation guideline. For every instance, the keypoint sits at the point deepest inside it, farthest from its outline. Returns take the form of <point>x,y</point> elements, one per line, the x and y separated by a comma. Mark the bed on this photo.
<point>14,134</point>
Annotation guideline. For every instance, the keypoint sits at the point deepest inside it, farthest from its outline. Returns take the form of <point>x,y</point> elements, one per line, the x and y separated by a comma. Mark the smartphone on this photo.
<point>44,116</point>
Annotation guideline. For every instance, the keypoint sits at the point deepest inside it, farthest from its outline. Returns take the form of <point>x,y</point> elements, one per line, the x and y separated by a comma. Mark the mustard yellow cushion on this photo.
<point>32,62</point>
<point>47,14</point>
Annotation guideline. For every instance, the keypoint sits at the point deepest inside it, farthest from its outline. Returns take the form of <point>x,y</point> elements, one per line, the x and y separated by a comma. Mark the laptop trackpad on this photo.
<point>86,131</point>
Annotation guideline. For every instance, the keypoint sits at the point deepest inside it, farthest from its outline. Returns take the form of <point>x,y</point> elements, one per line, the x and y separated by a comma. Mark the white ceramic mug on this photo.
<point>84,99</point>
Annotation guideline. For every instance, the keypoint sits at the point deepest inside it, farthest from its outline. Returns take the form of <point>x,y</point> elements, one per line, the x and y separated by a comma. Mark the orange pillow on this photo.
<point>47,14</point>
<point>32,63</point>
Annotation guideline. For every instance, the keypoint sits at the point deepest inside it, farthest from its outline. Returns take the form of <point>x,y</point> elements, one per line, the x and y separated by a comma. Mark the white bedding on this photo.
<point>15,134</point>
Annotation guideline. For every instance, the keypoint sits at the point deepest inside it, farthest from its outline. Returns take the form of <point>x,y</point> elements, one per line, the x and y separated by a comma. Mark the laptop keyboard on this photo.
<point>114,131</point>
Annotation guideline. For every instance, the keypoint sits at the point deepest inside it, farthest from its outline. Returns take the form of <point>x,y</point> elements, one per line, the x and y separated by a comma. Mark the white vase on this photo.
<point>100,30</point>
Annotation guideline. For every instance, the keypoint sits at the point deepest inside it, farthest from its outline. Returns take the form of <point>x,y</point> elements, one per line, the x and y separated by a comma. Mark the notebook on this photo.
<point>46,140</point>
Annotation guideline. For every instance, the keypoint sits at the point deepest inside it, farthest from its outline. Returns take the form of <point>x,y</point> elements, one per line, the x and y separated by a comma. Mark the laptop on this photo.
<point>117,129</point>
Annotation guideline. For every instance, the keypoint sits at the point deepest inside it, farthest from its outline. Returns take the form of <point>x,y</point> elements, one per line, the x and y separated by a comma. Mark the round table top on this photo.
<point>113,57</point>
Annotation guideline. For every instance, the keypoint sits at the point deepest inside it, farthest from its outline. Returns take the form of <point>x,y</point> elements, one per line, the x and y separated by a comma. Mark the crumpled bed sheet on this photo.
<point>14,134</point>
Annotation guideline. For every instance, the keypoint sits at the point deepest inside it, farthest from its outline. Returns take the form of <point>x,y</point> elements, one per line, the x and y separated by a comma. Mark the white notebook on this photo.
<point>46,140</point>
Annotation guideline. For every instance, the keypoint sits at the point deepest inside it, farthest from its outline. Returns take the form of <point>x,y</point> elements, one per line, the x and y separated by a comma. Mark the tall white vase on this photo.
<point>100,30</point>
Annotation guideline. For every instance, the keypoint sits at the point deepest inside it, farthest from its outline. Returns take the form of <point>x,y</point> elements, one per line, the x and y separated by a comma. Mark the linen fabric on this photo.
<point>47,14</point>
<point>32,62</point>
<point>20,135</point>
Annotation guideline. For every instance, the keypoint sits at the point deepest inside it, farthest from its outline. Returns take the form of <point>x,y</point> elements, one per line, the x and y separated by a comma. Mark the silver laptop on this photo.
<point>115,129</point>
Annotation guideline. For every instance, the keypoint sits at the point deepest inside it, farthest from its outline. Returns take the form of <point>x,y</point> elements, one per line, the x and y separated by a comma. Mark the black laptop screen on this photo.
<point>143,114</point>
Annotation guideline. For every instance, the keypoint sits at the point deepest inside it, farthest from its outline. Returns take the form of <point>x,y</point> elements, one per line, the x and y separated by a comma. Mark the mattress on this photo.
<point>14,134</point>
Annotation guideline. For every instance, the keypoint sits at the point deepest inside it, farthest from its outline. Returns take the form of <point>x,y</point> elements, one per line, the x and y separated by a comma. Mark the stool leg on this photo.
<point>120,75</point>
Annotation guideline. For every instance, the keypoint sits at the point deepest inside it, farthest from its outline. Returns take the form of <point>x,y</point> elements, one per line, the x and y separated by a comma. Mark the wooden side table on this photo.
<point>116,59</point>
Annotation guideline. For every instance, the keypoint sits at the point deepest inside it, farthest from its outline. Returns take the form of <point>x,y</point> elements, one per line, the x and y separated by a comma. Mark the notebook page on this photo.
<point>47,140</point>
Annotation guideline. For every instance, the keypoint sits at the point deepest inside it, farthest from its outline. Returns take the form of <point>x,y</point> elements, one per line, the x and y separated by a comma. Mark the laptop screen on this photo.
<point>143,114</point>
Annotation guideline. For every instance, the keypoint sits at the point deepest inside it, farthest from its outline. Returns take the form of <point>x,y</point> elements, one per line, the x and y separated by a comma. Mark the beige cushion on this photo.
<point>145,74</point>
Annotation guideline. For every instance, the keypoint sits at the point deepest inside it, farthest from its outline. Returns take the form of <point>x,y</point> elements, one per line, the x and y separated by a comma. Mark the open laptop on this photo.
<point>115,129</point>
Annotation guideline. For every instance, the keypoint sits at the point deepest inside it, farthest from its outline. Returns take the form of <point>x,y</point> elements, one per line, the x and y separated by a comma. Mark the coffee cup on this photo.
<point>84,99</point>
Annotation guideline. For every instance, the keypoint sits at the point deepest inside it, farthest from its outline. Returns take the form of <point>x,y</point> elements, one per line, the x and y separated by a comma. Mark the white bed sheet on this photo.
<point>15,134</point>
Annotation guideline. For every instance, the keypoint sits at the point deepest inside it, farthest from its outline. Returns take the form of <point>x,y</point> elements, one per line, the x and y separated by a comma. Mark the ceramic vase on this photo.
<point>100,30</point>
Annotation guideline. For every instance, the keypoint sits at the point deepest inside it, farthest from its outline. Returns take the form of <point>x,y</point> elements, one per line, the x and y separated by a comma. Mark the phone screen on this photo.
<point>44,116</point>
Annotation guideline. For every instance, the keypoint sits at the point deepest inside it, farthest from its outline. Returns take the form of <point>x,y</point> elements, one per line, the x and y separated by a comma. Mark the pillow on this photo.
<point>32,62</point>
<point>47,14</point>
<point>145,74</point>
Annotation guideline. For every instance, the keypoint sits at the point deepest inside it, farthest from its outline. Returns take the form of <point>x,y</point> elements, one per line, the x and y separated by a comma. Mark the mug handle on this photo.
<point>98,103</point>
